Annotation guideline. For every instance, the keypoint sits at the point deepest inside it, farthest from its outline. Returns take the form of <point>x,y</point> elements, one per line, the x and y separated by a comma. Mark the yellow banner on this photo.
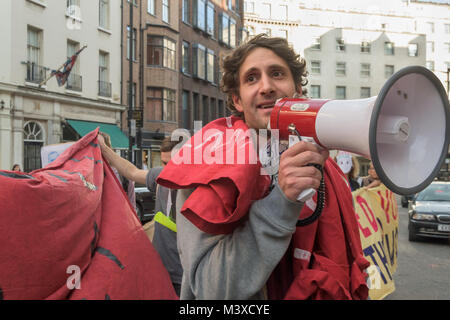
<point>377,216</point>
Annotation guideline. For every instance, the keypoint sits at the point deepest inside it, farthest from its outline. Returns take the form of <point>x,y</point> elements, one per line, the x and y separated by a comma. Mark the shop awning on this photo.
<point>118,139</point>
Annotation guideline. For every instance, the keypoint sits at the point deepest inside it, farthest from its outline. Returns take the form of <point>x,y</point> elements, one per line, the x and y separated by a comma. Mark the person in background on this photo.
<point>350,167</point>
<point>372,180</point>
<point>127,185</point>
<point>164,238</point>
<point>16,167</point>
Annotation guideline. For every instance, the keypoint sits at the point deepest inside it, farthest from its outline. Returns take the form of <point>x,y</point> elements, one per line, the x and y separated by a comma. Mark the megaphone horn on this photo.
<point>404,130</point>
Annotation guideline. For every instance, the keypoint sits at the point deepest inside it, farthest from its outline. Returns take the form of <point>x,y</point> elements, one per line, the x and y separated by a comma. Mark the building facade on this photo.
<point>38,36</point>
<point>177,46</point>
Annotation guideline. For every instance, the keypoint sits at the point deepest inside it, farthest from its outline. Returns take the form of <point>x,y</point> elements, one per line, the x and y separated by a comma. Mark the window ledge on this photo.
<point>35,85</point>
<point>39,3</point>
<point>74,92</point>
<point>104,30</point>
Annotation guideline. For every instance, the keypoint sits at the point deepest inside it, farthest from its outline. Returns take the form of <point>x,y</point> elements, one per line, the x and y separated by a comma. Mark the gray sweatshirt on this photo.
<point>236,265</point>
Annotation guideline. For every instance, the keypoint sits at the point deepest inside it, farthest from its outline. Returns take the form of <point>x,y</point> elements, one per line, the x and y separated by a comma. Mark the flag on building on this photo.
<point>62,75</point>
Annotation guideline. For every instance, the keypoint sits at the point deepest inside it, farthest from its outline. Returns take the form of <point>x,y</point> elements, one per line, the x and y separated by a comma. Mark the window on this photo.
<point>35,72</point>
<point>199,9</point>
<point>340,69</point>
<point>213,108</point>
<point>131,43</point>
<point>388,71</point>
<point>161,104</point>
<point>205,109</point>
<point>104,87</point>
<point>430,65</point>
<point>365,70</point>
<point>266,11</point>
<point>103,19</point>
<point>447,28</point>
<point>340,45</point>
<point>185,12</point>
<point>365,92</point>
<point>210,19</point>
<point>283,12</point>
<point>199,61</point>
<point>315,67</point>
<point>430,46</point>
<point>34,45</point>
<point>315,91</point>
<point>74,79</point>
<point>151,6</point>
<point>316,44</point>
<point>73,8</point>
<point>413,49</point>
<point>186,59</point>
<point>430,27</point>
<point>232,42</point>
<point>33,139</point>
<point>341,92</point>
<point>389,48</point>
<point>365,47</point>
<point>224,29</point>
<point>196,104</point>
<point>447,47</point>
<point>210,66</point>
<point>186,119</point>
<point>165,11</point>
<point>221,109</point>
<point>161,52</point>
<point>249,7</point>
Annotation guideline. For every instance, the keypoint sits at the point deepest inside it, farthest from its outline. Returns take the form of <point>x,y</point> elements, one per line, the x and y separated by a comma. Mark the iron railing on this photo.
<point>104,89</point>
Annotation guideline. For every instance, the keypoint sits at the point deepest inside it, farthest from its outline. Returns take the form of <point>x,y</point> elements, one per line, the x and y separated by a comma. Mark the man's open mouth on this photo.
<point>266,106</point>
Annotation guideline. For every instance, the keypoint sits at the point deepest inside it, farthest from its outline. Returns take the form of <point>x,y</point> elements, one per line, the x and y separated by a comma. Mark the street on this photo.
<point>423,271</point>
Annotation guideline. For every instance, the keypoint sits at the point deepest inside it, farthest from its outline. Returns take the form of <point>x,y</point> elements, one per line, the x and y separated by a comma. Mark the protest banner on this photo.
<point>377,217</point>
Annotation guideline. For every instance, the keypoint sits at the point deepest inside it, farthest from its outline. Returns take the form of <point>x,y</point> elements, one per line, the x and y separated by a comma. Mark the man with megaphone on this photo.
<point>239,235</point>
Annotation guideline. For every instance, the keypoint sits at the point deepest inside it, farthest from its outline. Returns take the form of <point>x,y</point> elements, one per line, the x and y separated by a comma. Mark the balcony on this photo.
<point>35,72</point>
<point>74,82</point>
<point>104,89</point>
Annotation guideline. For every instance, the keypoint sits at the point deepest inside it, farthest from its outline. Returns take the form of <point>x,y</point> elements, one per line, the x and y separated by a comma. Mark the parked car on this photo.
<point>145,203</point>
<point>429,212</point>
<point>406,199</point>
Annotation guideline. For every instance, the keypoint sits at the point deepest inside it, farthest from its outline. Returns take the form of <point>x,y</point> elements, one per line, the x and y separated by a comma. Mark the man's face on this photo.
<point>165,158</point>
<point>264,77</point>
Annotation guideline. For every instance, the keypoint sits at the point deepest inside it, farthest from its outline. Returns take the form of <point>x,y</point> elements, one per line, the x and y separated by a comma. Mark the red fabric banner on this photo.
<point>68,231</point>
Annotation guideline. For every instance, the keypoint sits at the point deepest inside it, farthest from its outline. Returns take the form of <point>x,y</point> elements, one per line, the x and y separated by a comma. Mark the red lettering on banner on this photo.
<point>363,204</point>
<point>385,204</point>
<point>365,231</point>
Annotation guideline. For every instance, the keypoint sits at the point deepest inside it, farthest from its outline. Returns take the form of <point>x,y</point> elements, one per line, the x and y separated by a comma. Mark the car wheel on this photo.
<point>412,235</point>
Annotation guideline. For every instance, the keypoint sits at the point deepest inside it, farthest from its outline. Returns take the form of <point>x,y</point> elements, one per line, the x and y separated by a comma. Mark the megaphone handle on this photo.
<point>306,194</point>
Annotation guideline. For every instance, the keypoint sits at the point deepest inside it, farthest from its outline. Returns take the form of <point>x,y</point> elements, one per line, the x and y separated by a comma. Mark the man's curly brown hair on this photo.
<point>232,63</point>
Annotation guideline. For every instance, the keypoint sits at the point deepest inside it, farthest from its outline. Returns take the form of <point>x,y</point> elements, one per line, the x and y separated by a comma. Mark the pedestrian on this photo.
<point>127,185</point>
<point>350,167</point>
<point>165,234</point>
<point>236,226</point>
<point>16,167</point>
<point>371,180</point>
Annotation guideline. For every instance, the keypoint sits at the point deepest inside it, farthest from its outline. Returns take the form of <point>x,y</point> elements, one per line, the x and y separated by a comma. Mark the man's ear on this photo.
<point>299,89</point>
<point>237,103</point>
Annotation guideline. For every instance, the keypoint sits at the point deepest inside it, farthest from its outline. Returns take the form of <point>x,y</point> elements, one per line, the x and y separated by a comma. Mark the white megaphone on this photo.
<point>404,130</point>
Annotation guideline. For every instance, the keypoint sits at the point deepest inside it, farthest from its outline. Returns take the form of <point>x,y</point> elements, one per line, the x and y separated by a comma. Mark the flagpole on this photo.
<point>52,74</point>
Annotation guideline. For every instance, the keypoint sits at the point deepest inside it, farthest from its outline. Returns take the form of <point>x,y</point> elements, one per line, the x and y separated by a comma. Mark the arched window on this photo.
<point>33,140</point>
